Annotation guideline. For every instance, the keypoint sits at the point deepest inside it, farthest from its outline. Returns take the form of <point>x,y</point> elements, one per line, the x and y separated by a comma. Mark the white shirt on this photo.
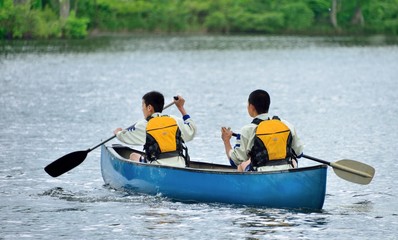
<point>245,141</point>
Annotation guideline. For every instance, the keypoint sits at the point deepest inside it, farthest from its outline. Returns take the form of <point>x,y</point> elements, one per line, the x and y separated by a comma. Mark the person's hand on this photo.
<point>117,130</point>
<point>179,101</point>
<point>226,134</point>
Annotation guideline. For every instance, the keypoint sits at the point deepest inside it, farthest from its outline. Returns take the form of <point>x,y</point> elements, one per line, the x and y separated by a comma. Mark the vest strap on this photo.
<point>169,154</point>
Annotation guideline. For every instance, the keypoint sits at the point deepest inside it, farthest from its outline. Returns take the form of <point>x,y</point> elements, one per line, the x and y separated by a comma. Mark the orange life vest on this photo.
<point>272,144</point>
<point>163,139</point>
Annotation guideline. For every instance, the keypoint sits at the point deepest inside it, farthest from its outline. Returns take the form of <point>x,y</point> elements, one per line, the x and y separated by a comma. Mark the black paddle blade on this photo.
<point>66,163</point>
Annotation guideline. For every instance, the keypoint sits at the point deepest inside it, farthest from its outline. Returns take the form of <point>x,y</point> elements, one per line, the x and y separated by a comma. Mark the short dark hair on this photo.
<point>260,100</point>
<point>154,98</point>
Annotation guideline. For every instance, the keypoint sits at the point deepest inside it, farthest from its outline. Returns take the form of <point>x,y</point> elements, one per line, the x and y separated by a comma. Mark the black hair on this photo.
<point>260,100</point>
<point>154,98</point>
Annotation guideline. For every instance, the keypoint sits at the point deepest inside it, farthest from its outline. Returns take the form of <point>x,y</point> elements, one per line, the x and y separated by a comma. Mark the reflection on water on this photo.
<point>130,43</point>
<point>260,222</point>
<point>365,206</point>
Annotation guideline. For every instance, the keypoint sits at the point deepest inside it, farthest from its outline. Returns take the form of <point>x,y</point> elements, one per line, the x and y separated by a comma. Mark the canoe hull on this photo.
<point>297,188</point>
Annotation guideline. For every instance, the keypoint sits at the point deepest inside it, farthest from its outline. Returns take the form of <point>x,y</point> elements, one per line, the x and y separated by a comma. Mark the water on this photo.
<point>63,96</point>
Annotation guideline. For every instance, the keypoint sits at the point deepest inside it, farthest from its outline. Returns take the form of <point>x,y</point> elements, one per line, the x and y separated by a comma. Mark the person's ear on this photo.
<point>150,108</point>
<point>251,107</point>
<point>252,110</point>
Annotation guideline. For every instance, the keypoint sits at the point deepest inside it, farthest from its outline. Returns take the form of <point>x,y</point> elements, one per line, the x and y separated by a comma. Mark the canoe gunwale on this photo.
<point>213,167</point>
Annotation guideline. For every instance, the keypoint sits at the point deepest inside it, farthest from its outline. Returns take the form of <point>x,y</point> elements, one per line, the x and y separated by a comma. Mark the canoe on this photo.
<point>300,188</point>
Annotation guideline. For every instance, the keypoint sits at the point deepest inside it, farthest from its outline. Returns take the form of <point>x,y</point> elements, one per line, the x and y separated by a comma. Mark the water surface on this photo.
<point>62,96</point>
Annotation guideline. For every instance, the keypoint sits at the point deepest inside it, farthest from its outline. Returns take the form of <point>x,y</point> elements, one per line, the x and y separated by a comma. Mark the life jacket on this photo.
<point>163,139</point>
<point>272,144</point>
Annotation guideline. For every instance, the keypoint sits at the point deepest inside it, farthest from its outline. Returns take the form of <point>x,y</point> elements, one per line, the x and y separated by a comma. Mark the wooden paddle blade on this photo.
<point>66,163</point>
<point>353,171</point>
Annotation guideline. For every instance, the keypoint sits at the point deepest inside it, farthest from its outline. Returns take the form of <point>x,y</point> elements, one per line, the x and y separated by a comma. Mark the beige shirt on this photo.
<point>245,141</point>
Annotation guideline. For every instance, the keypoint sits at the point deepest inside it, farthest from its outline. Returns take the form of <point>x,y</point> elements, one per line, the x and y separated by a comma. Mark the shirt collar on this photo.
<point>262,116</point>
<point>156,114</point>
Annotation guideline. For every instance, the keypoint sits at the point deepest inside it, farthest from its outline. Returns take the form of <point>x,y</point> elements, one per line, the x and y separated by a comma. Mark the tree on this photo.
<point>357,18</point>
<point>333,15</point>
<point>64,7</point>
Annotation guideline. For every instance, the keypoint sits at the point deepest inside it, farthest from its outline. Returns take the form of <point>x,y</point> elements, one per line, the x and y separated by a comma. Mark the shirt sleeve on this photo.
<point>187,127</point>
<point>297,144</point>
<point>135,135</point>
<point>244,143</point>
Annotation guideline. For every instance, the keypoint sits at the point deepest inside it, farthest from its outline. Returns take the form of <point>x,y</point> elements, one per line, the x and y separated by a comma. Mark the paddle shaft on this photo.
<point>339,166</point>
<point>316,159</point>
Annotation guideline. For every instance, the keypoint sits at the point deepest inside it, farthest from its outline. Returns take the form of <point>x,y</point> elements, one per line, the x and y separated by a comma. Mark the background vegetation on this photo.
<point>77,19</point>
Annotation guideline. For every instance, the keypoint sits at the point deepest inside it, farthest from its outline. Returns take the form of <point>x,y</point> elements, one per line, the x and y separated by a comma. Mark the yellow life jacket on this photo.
<point>163,139</point>
<point>272,145</point>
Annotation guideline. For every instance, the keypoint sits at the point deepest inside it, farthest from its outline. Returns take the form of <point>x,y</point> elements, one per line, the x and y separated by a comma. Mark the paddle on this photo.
<point>349,170</point>
<point>74,159</point>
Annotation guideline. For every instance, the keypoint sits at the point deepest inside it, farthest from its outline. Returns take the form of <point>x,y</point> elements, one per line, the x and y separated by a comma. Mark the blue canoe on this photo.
<point>302,188</point>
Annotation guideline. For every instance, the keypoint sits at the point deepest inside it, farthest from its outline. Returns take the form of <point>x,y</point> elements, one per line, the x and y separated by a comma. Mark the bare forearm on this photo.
<point>226,135</point>
<point>228,148</point>
<point>179,102</point>
<point>182,110</point>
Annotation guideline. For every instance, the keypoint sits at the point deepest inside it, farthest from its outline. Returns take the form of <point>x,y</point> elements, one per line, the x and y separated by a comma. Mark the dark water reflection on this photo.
<point>62,96</point>
<point>183,43</point>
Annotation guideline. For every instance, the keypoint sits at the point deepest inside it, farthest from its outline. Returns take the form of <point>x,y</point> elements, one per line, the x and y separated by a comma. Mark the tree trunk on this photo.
<point>333,15</point>
<point>96,15</point>
<point>64,7</point>
<point>358,19</point>
<point>75,7</point>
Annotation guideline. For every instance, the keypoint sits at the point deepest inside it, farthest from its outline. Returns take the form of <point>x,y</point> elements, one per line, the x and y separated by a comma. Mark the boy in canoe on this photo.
<point>267,143</point>
<point>162,136</point>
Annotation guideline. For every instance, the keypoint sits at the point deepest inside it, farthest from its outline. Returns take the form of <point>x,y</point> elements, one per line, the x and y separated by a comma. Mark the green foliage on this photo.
<point>382,16</point>
<point>216,22</point>
<point>346,12</point>
<point>175,19</point>
<point>391,26</point>
<point>253,23</point>
<point>22,21</point>
<point>126,15</point>
<point>199,11</point>
<point>87,9</point>
<point>40,18</point>
<point>26,21</point>
<point>321,9</point>
<point>6,11</point>
<point>46,24</point>
<point>297,16</point>
<point>75,27</point>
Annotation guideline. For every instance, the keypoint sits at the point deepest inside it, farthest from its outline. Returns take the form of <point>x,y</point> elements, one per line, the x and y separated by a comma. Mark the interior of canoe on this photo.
<point>125,152</point>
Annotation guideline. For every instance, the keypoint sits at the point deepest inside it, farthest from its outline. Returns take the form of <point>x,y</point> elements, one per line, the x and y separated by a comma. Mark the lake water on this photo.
<point>58,97</point>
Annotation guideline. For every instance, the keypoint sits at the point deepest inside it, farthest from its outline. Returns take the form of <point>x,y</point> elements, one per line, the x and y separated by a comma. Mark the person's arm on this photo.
<point>297,144</point>
<point>134,136</point>
<point>179,101</point>
<point>226,135</point>
<point>244,141</point>
<point>186,125</point>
